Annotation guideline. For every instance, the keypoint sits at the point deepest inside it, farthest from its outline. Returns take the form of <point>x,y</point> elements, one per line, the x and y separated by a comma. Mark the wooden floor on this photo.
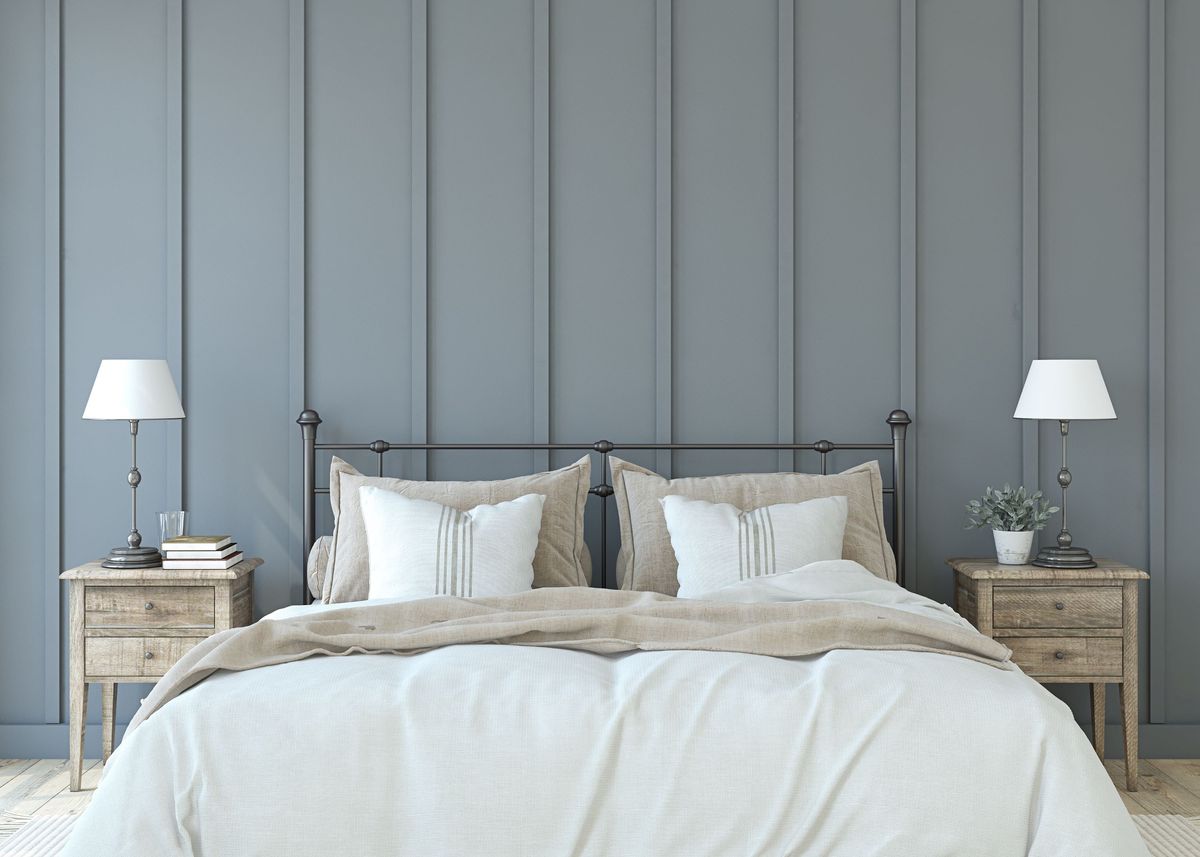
<point>30,787</point>
<point>1165,786</point>
<point>34,787</point>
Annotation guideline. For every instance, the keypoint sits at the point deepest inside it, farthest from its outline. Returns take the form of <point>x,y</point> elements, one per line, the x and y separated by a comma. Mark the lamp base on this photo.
<point>1071,557</point>
<point>133,558</point>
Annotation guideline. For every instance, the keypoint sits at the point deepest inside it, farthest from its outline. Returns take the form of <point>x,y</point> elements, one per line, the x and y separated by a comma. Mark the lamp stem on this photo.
<point>135,477</point>
<point>1064,480</point>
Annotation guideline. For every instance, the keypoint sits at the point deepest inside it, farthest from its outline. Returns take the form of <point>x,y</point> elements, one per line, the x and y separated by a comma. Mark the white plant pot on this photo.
<point>1013,548</point>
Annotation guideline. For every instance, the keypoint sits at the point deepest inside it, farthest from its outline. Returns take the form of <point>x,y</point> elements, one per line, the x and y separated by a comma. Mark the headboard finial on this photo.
<point>899,417</point>
<point>309,417</point>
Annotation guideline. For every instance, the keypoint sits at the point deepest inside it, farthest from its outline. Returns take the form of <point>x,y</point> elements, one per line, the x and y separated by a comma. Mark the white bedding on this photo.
<point>512,750</point>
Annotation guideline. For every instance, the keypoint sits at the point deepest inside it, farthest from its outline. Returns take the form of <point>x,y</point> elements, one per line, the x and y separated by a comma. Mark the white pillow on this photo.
<point>418,548</point>
<point>717,544</point>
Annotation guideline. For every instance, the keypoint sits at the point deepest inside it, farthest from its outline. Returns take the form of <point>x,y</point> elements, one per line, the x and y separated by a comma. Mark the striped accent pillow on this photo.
<point>717,544</point>
<point>419,548</point>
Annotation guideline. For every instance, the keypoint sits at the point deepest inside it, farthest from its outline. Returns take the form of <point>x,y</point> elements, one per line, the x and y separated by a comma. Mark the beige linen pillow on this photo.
<point>562,557</point>
<point>647,561</point>
<point>318,562</point>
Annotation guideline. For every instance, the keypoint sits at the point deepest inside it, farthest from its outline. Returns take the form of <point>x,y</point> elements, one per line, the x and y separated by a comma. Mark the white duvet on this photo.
<point>511,750</point>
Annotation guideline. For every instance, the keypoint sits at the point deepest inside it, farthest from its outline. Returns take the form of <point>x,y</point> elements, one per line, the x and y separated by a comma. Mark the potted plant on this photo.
<point>1013,516</point>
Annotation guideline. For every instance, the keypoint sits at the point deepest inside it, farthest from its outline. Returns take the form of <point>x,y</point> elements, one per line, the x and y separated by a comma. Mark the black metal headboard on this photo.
<point>309,419</point>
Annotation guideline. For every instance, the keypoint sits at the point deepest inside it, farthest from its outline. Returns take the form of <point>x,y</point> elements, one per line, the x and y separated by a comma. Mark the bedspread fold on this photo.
<point>594,620</point>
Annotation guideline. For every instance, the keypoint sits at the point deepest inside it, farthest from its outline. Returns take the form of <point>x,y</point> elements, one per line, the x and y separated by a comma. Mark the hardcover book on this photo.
<point>205,564</point>
<point>170,552</point>
<point>197,543</point>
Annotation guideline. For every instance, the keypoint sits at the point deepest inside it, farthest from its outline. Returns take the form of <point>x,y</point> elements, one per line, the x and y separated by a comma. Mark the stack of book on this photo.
<point>206,552</point>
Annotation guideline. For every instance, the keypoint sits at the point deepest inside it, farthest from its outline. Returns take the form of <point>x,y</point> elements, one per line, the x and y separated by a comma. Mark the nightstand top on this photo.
<point>986,568</point>
<point>95,571</point>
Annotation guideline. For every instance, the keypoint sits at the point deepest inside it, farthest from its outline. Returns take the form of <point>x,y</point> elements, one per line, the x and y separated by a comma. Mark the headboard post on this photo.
<point>308,421</point>
<point>603,490</point>
<point>899,421</point>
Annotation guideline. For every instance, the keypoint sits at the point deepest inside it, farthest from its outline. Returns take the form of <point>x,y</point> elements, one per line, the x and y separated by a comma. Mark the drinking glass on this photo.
<point>171,525</point>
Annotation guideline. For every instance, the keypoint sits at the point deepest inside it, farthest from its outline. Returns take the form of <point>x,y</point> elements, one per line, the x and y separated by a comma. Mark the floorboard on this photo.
<point>1186,772</point>
<point>42,782</point>
<point>1159,793</point>
<point>9,768</point>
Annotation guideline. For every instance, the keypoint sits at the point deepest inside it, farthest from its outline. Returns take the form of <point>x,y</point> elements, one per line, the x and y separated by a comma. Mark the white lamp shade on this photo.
<point>133,390</point>
<point>1064,390</point>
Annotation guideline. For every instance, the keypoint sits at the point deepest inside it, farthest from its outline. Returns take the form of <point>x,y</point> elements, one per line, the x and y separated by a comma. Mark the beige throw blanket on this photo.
<point>594,620</point>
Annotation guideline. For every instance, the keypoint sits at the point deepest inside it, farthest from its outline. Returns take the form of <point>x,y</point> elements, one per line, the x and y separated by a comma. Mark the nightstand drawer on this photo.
<point>1066,656</point>
<point>134,657</point>
<point>1057,607</point>
<point>149,607</point>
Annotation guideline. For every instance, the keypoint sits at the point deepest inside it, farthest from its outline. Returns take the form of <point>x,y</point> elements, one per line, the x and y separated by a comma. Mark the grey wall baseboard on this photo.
<point>758,221</point>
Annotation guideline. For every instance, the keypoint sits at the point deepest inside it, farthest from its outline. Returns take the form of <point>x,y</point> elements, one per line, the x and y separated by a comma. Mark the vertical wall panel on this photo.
<point>847,207</point>
<point>1181,634</point>
<point>237,274</point>
<point>969,199</point>
<point>358,188</point>
<point>1093,260</point>
<point>540,380</point>
<point>419,215</point>
<point>52,609</point>
<point>480,229</point>
<point>909,274</point>
<point>664,229</point>
<point>25,279</point>
<point>1093,290</point>
<point>1030,219</point>
<point>603,226</point>
<point>114,296</point>
<point>173,217</point>
<point>1156,345</point>
<point>297,262</point>
<point>785,229</point>
<point>602,207</point>
<point>725,285</point>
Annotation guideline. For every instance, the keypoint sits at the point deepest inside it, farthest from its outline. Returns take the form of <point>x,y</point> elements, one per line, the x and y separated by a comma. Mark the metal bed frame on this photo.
<point>898,420</point>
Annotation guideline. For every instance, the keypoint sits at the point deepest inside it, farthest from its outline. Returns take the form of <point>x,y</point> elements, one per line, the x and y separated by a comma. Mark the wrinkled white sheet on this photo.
<point>510,750</point>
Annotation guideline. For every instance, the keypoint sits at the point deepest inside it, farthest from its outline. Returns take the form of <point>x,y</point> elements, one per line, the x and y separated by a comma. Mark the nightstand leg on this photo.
<point>108,723</point>
<point>1129,712</point>
<point>79,695</point>
<point>1098,691</point>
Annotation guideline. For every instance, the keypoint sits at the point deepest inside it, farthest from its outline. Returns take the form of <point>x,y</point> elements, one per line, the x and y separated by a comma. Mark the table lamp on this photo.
<point>1064,390</point>
<point>133,390</point>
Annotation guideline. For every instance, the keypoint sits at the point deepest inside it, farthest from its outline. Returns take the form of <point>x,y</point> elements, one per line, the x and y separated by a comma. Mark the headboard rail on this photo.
<point>898,421</point>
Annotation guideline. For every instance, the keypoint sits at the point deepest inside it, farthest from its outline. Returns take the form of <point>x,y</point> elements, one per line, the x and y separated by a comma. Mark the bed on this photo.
<point>822,710</point>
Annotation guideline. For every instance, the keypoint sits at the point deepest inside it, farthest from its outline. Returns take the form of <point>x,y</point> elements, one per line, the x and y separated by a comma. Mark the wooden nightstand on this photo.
<point>1076,626</point>
<point>132,625</point>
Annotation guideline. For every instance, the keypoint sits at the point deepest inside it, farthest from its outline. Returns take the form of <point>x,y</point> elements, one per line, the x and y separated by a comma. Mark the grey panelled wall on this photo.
<point>566,219</point>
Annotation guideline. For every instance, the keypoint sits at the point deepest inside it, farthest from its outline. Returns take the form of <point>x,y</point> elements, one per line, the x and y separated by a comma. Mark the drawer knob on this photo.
<point>149,605</point>
<point>149,656</point>
<point>1058,605</point>
<point>1057,655</point>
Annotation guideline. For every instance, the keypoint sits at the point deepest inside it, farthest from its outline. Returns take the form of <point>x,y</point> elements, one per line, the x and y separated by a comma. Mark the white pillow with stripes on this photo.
<point>717,544</point>
<point>418,548</point>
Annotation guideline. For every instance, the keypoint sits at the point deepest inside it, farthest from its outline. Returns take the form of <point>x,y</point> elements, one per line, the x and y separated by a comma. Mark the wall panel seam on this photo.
<point>174,244</point>
<point>297,351</point>
<point>1030,221</point>
<point>663,233</point>
<point>541,230</point>
<point>1156,277</point>
<point>419,224</point>
<point>908,268</point>
<point>52,368</point>
<point>786,234</point>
